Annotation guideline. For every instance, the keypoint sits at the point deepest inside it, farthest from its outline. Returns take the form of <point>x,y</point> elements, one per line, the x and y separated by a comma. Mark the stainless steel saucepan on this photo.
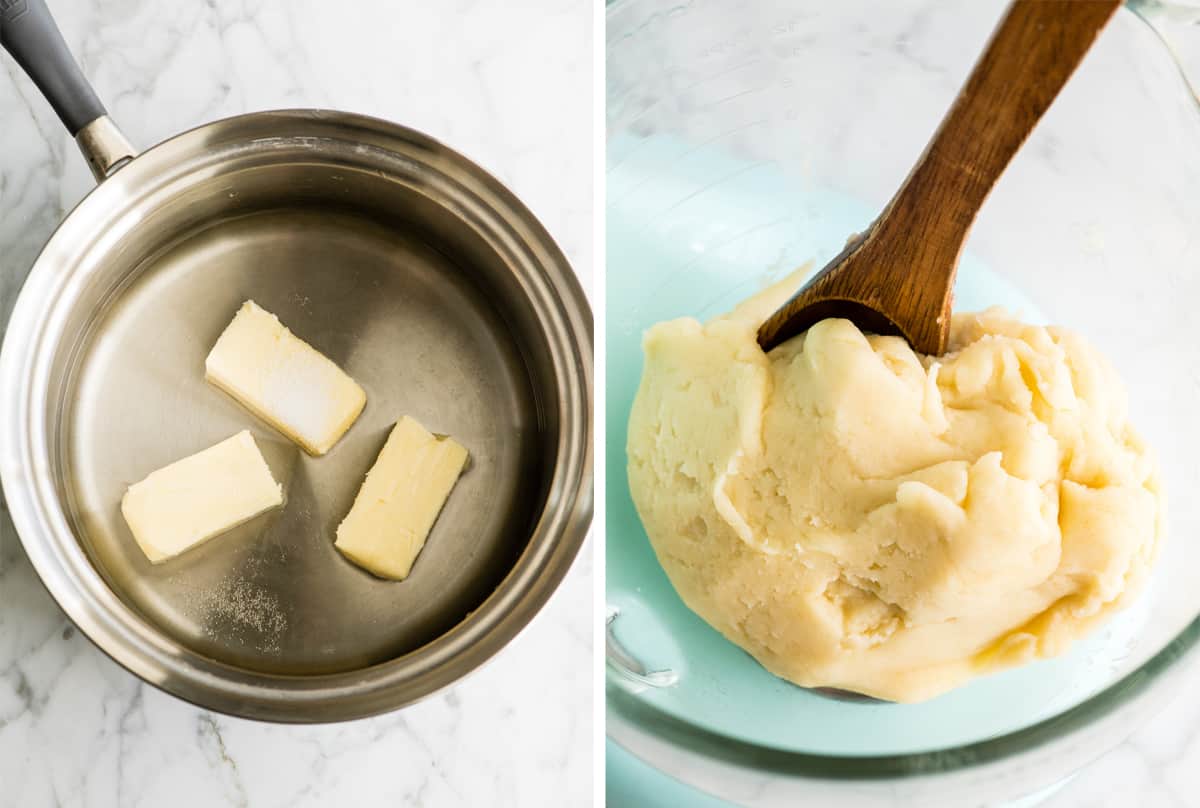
<point>414,270</point>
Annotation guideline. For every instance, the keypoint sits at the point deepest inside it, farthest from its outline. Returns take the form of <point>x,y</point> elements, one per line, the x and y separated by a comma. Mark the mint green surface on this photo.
<point>630,783</point>
<point>691,232</point>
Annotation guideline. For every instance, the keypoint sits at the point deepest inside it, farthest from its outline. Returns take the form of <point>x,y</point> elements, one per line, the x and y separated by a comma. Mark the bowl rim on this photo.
<point>68,575</point>
<point>1175,656</point>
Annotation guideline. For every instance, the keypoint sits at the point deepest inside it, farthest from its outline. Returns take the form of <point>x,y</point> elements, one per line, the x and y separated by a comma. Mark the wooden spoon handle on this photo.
<point>1030,56</point>
<point>898,278</point>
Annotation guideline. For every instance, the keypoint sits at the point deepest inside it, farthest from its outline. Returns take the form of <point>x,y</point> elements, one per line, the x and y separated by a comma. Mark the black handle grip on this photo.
<point>29,33</point>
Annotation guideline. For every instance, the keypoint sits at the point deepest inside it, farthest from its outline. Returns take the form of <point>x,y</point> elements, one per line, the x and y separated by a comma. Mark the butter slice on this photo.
<point>284,380</point>
<point>198,497</point>
<point>400,499</point>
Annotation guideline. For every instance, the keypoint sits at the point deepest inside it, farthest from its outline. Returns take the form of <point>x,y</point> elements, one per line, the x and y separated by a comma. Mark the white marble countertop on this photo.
<point>76,730</point>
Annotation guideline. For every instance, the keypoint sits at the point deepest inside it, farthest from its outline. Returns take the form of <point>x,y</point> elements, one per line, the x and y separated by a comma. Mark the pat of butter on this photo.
<point>198,497</point>
<point>400,499</point>
<point>284,380</point>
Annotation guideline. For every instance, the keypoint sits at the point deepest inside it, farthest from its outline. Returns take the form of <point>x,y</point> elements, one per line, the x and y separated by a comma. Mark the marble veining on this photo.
<point>77,730</point>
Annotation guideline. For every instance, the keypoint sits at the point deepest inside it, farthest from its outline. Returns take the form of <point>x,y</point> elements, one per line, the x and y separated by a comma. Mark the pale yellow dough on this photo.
<point>859,516</point>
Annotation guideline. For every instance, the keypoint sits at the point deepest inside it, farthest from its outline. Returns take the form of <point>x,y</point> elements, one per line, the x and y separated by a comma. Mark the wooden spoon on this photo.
<point>897,278</point>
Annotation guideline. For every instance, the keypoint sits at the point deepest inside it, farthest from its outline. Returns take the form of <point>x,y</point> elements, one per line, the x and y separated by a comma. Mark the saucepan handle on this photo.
<point>29,33</point>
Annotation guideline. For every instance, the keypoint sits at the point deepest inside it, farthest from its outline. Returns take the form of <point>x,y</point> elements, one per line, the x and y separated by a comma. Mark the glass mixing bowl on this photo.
<point>745,139</point>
